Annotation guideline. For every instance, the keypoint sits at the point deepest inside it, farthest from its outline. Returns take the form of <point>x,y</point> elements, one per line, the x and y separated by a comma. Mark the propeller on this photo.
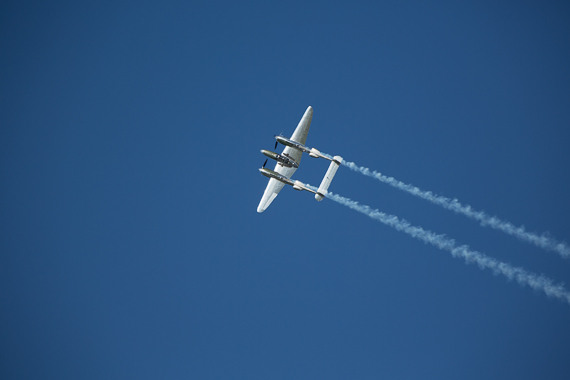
<point>276,142</point>
<point>265,163</point>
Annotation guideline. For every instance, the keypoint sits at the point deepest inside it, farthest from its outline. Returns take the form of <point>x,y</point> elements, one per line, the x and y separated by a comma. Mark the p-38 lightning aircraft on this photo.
<point>288,162</point>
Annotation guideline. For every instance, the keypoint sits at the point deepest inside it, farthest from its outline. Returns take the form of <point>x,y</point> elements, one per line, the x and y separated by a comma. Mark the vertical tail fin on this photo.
<point>327,179</point>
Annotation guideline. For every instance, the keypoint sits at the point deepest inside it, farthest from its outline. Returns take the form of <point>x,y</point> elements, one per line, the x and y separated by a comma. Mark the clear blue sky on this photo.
<point>130,136</point>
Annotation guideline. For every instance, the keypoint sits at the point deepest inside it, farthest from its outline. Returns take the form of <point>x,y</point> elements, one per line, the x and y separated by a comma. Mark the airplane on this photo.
<point>288,162</point>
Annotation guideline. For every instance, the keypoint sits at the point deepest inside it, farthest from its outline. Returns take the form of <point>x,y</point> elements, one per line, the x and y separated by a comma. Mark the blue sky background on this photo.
<point>130,136</point>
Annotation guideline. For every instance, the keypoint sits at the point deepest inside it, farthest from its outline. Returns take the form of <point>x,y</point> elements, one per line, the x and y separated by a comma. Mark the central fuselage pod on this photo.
<point>282,159</point>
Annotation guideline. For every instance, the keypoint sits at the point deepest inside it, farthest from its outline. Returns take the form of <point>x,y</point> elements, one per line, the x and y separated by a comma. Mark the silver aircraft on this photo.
<point>288,161</point>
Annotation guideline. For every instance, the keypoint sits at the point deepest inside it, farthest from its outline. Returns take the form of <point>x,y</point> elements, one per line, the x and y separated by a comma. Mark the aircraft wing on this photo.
<point>274,186</point>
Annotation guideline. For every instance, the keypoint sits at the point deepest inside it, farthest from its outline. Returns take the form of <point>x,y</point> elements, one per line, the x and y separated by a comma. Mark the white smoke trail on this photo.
<point>537,282</point>
<point>542,241</point>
